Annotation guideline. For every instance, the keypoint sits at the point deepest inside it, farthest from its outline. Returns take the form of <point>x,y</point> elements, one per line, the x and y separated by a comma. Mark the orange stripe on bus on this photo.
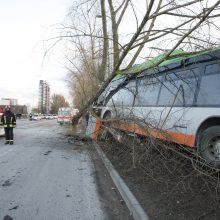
<point>97,129</point>
<point>176,137</point>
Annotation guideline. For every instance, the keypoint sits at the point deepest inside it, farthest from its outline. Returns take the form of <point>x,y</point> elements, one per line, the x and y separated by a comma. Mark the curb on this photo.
<point>133,205</point>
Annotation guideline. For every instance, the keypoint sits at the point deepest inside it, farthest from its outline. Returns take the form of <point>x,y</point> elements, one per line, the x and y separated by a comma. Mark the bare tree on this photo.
<point>164,24</point>
<point>58,101</point>
<point>105,49</point>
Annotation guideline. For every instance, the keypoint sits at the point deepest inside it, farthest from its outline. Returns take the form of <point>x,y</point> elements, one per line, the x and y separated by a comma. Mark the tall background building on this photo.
<point>44,97</point>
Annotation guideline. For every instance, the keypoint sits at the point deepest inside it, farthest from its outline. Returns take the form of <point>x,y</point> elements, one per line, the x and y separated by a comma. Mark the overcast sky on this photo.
<point>24,25</point>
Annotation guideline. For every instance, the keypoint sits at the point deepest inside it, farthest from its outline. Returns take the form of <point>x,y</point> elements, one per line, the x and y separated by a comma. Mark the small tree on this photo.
<point>34,110</point>
<point>58,101</point>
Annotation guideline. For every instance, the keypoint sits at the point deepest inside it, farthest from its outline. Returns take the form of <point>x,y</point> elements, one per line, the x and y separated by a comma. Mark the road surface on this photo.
<point>44,177</point>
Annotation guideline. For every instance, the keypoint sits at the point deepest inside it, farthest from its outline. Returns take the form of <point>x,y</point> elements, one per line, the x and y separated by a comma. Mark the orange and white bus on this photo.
<point>180,99</point>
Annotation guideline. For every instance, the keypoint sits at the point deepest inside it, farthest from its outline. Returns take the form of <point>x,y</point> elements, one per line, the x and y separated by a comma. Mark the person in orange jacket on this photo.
<point>9,122</point>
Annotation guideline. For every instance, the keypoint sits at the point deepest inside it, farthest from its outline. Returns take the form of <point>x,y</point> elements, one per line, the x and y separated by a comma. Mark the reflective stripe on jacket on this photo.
<point>8,121</point>
<point>8,125</point>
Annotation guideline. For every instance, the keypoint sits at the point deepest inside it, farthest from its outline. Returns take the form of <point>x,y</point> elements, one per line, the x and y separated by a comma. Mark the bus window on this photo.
<point>125,96</point>
<point>148,92</point>
<point>170,91</point>
<point>209,92</point>
<point>113,101</point>
<point>212,68</point>
<point>105,95</point>
<point>179,92</point>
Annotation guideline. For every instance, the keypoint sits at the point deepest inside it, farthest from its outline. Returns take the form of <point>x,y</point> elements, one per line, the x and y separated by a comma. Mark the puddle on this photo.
<point>14,208</point>
<point>8,217</point>
<point>48,152</point>
<point>6,183</point>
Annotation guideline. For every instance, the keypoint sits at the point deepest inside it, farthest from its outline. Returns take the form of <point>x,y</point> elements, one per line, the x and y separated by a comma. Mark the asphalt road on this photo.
<point>44,177</point>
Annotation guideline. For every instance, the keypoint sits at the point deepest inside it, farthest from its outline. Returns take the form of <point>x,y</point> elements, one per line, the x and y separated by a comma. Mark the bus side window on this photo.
<point>148,90</point>
<point>113,101</point>
<point>179,89</point>
<point>124,96</point>
<point>209,91</point>
<point>171,94</point>
<point>127,94</point>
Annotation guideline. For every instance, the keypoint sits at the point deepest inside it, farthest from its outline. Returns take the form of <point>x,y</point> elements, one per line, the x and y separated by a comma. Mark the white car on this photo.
<point>55,116</point>
<point>60,119</point>
<point>49,116</point>
<point>35,117</point>
<point>2,132</point>
<point>40,116</point>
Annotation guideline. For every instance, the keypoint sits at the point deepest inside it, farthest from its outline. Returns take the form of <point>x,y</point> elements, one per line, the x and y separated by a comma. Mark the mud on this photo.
<point>7,217</point>
<point>48,152</point>
<point>14,208</point>
<point>167,186</point>
<point>7,183</point>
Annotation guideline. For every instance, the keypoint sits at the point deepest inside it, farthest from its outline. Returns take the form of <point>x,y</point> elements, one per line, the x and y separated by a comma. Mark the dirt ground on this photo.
<point>168,185</point>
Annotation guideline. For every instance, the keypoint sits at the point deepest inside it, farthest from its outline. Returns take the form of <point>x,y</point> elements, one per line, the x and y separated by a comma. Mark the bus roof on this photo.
<point>175,57</point>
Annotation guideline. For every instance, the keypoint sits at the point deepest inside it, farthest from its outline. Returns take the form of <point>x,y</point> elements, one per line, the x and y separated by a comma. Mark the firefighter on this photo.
<point>9,122</point>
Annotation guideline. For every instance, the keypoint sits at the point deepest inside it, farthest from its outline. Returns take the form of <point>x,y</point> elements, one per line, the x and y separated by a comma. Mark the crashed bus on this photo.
<point>178,101</point>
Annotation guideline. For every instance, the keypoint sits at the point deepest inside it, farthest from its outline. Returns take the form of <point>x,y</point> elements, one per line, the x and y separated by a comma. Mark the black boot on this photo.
<point>6,142</point>
<point>11,142</point>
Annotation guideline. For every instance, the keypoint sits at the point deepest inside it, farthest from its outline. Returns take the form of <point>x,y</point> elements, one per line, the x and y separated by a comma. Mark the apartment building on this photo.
<point>44,97</point>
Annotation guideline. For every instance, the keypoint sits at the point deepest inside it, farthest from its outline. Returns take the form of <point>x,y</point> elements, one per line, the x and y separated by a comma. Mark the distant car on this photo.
<point>55,116</point>
<point>2,132</point>
<point>41,116</point>
<point>35,117</point>
<point>60,119</point>
<point>49,116</point>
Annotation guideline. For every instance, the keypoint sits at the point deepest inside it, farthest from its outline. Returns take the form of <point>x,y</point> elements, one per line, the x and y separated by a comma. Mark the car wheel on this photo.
<point>209,145</point>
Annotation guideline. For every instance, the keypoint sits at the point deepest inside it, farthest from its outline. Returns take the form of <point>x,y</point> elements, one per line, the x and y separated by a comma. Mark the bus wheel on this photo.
<point>107,115</point>
<point>209,146</point>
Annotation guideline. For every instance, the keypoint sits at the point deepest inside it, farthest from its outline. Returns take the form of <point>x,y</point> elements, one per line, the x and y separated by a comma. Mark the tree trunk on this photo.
<point>114,34</point>
<point>105,49</point>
